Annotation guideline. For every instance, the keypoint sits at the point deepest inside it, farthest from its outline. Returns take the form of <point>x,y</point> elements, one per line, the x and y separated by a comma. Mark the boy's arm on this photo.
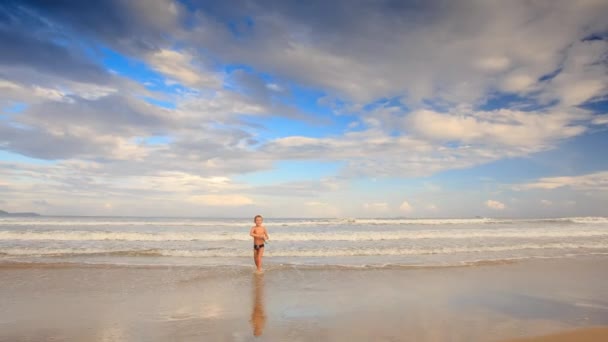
<point>252,234</point>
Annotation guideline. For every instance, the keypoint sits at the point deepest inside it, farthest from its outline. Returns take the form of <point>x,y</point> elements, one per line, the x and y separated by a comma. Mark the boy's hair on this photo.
<point>256,217</point>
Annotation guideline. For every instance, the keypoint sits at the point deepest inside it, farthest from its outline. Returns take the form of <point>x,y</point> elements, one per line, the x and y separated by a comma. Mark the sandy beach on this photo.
<point>489,302</point>
<point>578,335</point>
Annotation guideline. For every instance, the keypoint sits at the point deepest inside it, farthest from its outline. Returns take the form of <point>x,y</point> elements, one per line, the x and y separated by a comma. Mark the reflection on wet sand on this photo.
<point>258,313</point>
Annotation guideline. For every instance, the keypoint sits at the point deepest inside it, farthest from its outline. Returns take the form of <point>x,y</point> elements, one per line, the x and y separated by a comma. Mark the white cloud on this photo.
<point>530,130</point>
<point>517,82</point>
<point>228,200</point>
<point>90,91</point>
<point>383,155</point>
<point>179,183</point>
<point>376,206</point>
<point>577,92</point>
<point>316,204</point>
<point>496,205</point>
<point>592,181</point>
<point>493,63</point>
<point>274,87</point>
<point>405,207</point>
<point>181,66</point>
<point>600,120</point>
<point>583,74</point>
<point>8,85</point>
<point>51,94</point>
<point>495,44</point>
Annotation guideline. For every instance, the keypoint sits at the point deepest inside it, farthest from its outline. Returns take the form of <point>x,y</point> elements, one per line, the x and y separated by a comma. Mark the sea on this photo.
<point>340,242</point>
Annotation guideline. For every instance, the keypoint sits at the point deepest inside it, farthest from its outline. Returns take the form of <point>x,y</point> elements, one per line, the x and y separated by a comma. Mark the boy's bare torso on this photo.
<point>259,230</point>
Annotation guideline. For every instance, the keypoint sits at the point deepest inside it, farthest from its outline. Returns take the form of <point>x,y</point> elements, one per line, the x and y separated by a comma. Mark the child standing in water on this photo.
<point>259,235</point>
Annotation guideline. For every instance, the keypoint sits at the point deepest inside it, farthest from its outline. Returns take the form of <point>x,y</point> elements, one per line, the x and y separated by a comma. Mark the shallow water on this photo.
<point>347,242</point>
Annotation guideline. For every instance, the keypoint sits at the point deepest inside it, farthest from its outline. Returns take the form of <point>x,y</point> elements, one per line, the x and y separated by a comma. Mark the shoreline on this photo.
<point>489,302</point>
<point>270,264</point>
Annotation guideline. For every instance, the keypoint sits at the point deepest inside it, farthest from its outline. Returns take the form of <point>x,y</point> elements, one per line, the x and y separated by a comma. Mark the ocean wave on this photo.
<point>326,264</point>
<point>70,235</point>
<point>123,223</point>
<point>49,221</point>
<point>328,252</point>
<point>588,220</point>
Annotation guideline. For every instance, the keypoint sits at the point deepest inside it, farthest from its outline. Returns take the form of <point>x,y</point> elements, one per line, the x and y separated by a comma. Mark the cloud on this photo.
<point>134,26</point>
<point>298,44</point>
<point>180,66</point>
<point>532,131</point>
<point>380,50</point>
<point>496,205</point>
<point>437,142</point>
<point>496,63</point>
<point>405,207</point>
<point>546,203</point>
<point>381,155</point>
<point>582,75</point>
<point>600,120</point>
<point>70,185</point>
<point>222,200</point>
<point>299,188</point>
<point>26,51</point>
<point>517,83</point>
<point>376,206</point>
<point>592,181</point>
<point>316,204</point>
<point>416,80</point>
<point>82,128</point>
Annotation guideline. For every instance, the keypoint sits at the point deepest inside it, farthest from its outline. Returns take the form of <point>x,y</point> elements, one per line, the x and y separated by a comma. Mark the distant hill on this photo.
<point>6,213</point>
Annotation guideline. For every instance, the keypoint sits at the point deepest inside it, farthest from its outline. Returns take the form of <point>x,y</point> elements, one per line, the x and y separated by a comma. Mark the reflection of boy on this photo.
<point>258,314</point>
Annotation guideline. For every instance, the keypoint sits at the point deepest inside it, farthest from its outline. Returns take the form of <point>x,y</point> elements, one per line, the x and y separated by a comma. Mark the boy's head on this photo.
<point>258,219</point>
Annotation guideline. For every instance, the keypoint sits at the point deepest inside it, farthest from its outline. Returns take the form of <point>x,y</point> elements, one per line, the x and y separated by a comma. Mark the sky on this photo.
<point>304,109</point>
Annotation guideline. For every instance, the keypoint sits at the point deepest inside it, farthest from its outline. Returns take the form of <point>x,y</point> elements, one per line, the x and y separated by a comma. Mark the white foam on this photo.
<point>331,252</point>
<point>71,235</point>
<point>120,223</point>
<point>589,220</point>
<point>77,221</point>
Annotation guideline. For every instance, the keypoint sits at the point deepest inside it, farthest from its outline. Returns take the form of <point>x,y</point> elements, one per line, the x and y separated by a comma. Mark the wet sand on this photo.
<point>487,302</point>
<point>578,335</point>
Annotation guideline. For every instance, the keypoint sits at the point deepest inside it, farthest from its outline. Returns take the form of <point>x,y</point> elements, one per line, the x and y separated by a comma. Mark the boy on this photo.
<point>260,235</point>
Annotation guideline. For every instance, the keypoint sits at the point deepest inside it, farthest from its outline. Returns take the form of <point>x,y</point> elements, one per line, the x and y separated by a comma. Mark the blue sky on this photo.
<point>197,108</point>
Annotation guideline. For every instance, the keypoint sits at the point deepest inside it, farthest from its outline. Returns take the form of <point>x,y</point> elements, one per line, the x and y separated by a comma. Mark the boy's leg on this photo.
<point>255,258</point>
<point>260,255</point>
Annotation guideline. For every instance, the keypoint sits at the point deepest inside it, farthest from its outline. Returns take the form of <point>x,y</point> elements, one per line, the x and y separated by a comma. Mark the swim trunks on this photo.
<point>257,247</point>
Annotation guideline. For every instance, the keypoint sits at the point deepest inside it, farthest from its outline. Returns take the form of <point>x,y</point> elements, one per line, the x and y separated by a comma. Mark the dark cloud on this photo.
<point>252,86</point>
<point>26,50</point>
<point>365,50</point>
<point>277,101</point>
<point>111,114</point>
<point>130,25</point>
<point>40,143</point>
<point>80,127</point>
